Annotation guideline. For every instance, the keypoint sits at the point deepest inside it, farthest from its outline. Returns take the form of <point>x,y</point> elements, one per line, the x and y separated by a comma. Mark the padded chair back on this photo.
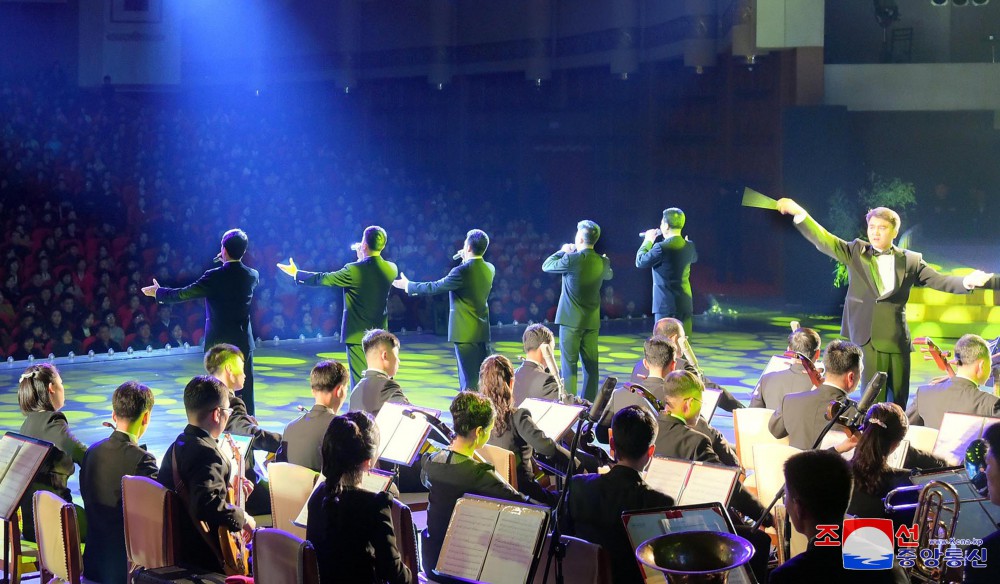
<point>503,460</point>
<point>58,538</point>
<point>291,486</point>
<point>149,509</point>
<point>406,535</point>
<point>922,437</point>
<point>771,468</point>
<point>585,562</point>
<point>282,558</point>
<point>750,427</point>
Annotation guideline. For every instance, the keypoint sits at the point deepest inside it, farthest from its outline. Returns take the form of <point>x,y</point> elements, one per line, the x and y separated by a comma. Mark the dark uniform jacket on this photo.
<point>670,260</point>
<point>374,389</point>
<point>583,273</point>
<point>801,416</point>
<point>776,385</point>
<point>366,285</point>
<point>58,465</point>
<point>534,381</point>
<point>468,286</point>
<point>826,564</point>
<point>303,438</point>
<point>957,394</point>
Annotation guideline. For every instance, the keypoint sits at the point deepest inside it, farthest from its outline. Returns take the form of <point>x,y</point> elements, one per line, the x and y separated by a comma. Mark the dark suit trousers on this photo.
<point>470,358</point>
<point>356,363</point>
<point>246,394</point>
<point>575,344</point>
<point>896,366</point>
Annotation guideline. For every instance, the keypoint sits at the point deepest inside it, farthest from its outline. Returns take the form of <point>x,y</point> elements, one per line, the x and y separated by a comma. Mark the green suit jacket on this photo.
<point>583,272</point>
<point>366,285</point>
<point>468,286</point>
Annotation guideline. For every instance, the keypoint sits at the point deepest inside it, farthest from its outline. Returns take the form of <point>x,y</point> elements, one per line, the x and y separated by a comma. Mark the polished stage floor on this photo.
<point>732,352</point>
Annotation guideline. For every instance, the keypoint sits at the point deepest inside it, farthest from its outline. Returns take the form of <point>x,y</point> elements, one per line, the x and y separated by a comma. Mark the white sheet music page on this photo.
<point>405,435</point>
<point>641,528</point>
<point>709,401</point>
<point>303,517</point>
<point>468,539</point>
<point>513,547</point>
<point>19,461</point>
<point>668,476</point>
<point>897,456</point>
<point>957,431</point>
<point>376,481</point>
<point>537,407</point>
<point>708,484</point>
<point>556,419</point>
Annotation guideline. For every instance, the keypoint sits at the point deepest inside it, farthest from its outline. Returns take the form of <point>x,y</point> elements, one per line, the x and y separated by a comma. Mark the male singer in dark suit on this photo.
<point>595,502</point>
<point>670,260</point>
<point>880,278</point>
<point>197,471</point>
<point>801,415</point>
<point>960,393</point>
<point>104,465</point>
<point>228,291</point>
<point>303,437</point>
<point>775,385</point>
<point>579,312</point>
<point>366,285</point>
<point>378,386</point>
<point>468,286</point>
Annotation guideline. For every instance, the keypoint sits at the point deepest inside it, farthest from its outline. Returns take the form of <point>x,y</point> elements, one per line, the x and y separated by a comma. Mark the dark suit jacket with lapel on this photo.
<point>670,260</point>
<point>104,465</point>
<point>867,317</point>
<point>374,389</point>
<point>595,505</point>
<point>468,286</point>
<point>776,385</point>
<point>303,438</point>
<point>826,564</point>
<point>801,415</point>
<point>953,395</point>
<point>533,380</point>
<point>583,273</point>
<point>227,291</point>
<point>243,424</point>
<point>58,465</point>
<point>203,470</point>
<point>622,398</point>
<point>366,285</point>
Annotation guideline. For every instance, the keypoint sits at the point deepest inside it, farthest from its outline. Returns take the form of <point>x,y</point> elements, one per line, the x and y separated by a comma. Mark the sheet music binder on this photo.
<point>20,459</point>
<point>691,482</point>
<point>402,436</point>
<point>956,432</point>
<point>374,480</point>
<point>492,540</point>
<point>552,418</point>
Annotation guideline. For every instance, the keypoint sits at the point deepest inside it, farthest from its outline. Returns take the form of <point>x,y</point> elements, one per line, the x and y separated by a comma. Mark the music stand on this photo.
<point>20,459</point>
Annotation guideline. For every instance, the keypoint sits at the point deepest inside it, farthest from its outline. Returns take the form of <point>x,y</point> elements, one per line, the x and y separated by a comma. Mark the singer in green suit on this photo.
<point>366,285</point>
<point>468,286</point>
<point>579,312</point>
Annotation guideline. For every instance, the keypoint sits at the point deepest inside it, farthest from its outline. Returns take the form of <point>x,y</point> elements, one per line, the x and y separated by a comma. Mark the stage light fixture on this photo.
<point>939,2</point>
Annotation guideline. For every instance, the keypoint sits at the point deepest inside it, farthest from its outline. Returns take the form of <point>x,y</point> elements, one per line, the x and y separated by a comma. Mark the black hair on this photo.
<point>33,388</point>
<point>674,218</point>
<point>842,357</point>
<point>659,351</point>
<point>682,384</point>
<point>591,231</point>
<point>535,336</point>
<point>375,238</point>
<point>380,339</point>
<point>131,400</point>
<point>236,243</point>
<point>478,241</point>
<point>349,441</point>
<point>885,425</point>
<point>218,356</point>
<point>203,394</point>
<point>469,410</point>
<point>633,430</point>
<point>327,375</point>
<point>820,481</point>
<point>804,340</point>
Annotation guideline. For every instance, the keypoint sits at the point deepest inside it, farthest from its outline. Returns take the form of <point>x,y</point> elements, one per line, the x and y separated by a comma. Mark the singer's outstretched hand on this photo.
<point>151,290</point>
<point>976,279</point>
<point>290,268</point>
<point>401,282</point>
<point>790,207</point>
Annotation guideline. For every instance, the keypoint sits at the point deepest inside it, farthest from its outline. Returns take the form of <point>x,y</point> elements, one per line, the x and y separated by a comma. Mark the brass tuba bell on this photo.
<point>695,556</point>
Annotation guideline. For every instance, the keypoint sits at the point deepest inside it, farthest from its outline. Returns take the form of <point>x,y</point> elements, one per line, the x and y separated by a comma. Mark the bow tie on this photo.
<point>876,253</point>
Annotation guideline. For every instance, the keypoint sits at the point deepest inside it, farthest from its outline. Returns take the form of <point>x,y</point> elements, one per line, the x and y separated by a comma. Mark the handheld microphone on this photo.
<point>301,408</point>
<point>601,401</point>
<point>654,402</point>
<point>457,256</point>
<point>218,258</point>
<point>107,424</point>
<point>442,428</point>
<point>643,233</point>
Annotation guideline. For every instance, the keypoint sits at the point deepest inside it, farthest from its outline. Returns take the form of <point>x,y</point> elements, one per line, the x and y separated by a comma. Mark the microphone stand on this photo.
<point>557,549</point>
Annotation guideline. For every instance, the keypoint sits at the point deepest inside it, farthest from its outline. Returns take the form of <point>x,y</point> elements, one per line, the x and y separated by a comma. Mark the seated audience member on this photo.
<point>776,385</point>
<point>533,379</point>
<point>104,342</point>
<point>801,415</point>
<point>143,338</point>
<point>377,386</point>
<point>225,363</point>
<point>673,329</point>
<point>27,347</point>
<point>116,332</point>
<point>884,429</point>
<point>351,528</point>
<point>515,430</point>
<point>66,344</point>
<point>104,465</point>
<point>178,337</point>
<point>960,393</point>
<point>303,437</point>
<point>596,502</point>
<point>990,572</point>
<point>163,323</point>
<point>817,491</point>
<point>450,473</point>
<point>40,395</point>
<point>196,470</point>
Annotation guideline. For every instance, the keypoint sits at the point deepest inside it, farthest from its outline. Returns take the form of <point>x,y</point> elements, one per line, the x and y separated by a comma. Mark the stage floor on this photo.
<point>732,352</point>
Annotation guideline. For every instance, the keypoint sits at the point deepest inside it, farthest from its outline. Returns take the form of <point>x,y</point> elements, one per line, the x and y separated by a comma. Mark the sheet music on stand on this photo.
<point>897,456</point>
<point>402,436</point>
<point>552,418</point>
<point>374,480</point>
<point>20,459</point>
<point>649,523</point>
<point>691,482</point>
<point>492,540</point>
<point>956,432</point>
<point>709,402</point>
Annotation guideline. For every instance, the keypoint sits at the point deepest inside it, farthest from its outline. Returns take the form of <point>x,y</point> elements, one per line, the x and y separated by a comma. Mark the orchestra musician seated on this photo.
<point>883,430</point>
<point>453,472</point>
<point>351,528</point>
<point>303,437</point>
<point>989,573</point>
<point>775,385</point>
<point>534,378</point>
<point>377,386</point>
<point>960,393</point>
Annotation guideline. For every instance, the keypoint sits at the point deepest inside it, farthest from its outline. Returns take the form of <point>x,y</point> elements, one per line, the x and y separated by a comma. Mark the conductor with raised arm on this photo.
<point>880,276</point>
<point>228,291</point>
<point>366,285</point>
<point>579,312</point>
<point>468,286</point>
<point>670,260</point>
